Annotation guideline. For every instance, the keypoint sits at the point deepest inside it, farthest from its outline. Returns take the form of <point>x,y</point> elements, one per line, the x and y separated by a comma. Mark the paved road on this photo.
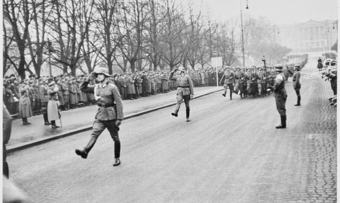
<point>230,152</point>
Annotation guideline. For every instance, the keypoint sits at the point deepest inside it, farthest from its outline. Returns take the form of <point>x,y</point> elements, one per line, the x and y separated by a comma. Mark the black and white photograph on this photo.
<point>152,101</point>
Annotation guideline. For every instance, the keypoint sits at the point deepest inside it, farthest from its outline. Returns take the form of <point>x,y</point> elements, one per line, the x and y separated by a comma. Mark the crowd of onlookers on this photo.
<point>328,69</point>
<point>130,85</point>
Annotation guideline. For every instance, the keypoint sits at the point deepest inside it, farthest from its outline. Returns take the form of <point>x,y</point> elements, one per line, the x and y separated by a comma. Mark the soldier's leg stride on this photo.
<point>113,129</point>
<point>178,105</point>
<point>84,152</point>
<point>187,107</point>
<point>98,128</point>
<point>283,122</point>
<point>175,113</point>
<point>298,98</point>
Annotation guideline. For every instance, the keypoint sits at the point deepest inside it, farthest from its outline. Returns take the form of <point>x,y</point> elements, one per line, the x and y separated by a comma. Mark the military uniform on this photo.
<point>297,85</point>
<point>109,112</point>
<point>185,89</point>
<point>44,100</point>
<point>280,96</point>
<point>229,79</point>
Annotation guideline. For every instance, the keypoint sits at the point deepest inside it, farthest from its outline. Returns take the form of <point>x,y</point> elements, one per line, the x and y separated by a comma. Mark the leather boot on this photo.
<point>283,122</point>
<point>83,153</point>
<point>117,162</point>
<point>298,101</point>
<point>187,114</point>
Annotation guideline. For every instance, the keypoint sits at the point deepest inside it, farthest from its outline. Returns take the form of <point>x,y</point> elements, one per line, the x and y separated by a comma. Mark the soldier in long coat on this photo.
<point>280,96</point>
<point>60,94</point>
<point>185,91</point>
<point>43,92</point>
<point>73,94</point>
<point>297,84</point>
<point>66,93</point>
<point>25,108</point>
<point>109,114</point>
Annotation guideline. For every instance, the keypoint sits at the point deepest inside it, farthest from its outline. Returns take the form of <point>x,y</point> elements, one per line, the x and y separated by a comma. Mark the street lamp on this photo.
<point>242,34</point>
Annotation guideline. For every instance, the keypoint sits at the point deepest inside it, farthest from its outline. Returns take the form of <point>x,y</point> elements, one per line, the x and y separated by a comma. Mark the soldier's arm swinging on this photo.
<point>171,77</point>
<point>191,84</point>
<point>118,103</point>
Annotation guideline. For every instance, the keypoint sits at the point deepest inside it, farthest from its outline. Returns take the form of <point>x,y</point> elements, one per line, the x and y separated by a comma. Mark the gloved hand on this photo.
<point>118,122</point>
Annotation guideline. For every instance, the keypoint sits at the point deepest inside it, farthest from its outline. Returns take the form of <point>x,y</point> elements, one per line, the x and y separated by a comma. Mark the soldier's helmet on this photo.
<point>279,68</point>
<point>101,70</point>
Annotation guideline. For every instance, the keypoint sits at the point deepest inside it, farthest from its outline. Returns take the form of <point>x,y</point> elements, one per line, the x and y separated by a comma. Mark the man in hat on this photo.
<point>297,84</point>
<point>280,96</point>
<point>185,90</point>
<point>110,111</point>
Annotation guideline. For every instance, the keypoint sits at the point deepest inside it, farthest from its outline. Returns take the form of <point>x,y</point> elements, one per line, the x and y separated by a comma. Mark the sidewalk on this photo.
<point>81,119</point>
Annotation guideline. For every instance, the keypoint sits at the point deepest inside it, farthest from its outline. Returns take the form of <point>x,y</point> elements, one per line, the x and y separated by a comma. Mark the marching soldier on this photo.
<point>229,80</point>
<point>185,91</point>
<point>280,96</point>
<point>297,84</point>
<point>110,111</point>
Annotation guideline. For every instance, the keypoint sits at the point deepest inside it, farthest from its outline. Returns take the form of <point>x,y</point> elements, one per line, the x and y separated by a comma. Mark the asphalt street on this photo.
<point>229,152</point>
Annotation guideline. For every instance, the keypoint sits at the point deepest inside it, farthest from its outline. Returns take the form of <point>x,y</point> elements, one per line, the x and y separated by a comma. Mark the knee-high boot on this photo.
<point>187,112</point>
<point>175,113</point>
<point>117,149</point>
<point>283,122</point>
<point>83,153</point>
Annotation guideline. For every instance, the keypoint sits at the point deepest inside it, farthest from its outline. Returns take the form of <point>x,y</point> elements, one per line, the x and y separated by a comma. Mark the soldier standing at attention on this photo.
<point>297,84</point>
<point>280,96</point>
<point>109,114</point>
<point>185,90</point>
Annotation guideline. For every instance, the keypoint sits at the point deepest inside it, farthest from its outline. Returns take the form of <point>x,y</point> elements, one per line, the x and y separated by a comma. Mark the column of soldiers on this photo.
<point>329,73</point>
<point>254,81</point>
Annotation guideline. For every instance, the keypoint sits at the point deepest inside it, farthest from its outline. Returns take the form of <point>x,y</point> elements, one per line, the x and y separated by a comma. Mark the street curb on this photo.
<point>19,147</point>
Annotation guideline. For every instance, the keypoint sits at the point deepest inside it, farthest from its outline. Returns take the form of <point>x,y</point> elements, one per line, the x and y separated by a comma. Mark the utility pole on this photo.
<point>242,35</point>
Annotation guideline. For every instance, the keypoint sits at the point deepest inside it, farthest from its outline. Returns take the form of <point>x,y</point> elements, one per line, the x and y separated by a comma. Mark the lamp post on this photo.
<point>242,32</point>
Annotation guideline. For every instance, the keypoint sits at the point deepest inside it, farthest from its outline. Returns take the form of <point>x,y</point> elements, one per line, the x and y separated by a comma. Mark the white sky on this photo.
<point>277,11</point>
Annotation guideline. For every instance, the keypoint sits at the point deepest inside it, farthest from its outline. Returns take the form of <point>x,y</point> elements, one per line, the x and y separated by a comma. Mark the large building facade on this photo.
<point>311,36</point>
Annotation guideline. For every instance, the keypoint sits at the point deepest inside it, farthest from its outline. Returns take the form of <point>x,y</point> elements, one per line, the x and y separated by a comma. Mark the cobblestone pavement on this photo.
<point>322,139</point>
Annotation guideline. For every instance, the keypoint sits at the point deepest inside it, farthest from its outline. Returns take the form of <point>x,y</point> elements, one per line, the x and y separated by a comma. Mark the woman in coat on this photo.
<point>53,105</point>
<point>25,108</point>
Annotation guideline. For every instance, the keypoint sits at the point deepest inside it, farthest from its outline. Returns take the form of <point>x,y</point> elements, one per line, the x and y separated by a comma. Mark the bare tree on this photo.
<point>36,41</point>
<point>106,23</point>
<point>152,26</point>
<point>173,35</point>
<point>70,26</point>
<point>18,15</point>
<point>132,26</point>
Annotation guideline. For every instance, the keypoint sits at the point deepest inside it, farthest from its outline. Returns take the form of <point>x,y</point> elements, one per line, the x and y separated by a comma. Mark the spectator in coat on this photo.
<point>25,108</point>
<point>53,105</point>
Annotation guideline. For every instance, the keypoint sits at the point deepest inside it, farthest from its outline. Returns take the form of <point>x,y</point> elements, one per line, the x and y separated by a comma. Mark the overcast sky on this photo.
<point>277,11</point>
